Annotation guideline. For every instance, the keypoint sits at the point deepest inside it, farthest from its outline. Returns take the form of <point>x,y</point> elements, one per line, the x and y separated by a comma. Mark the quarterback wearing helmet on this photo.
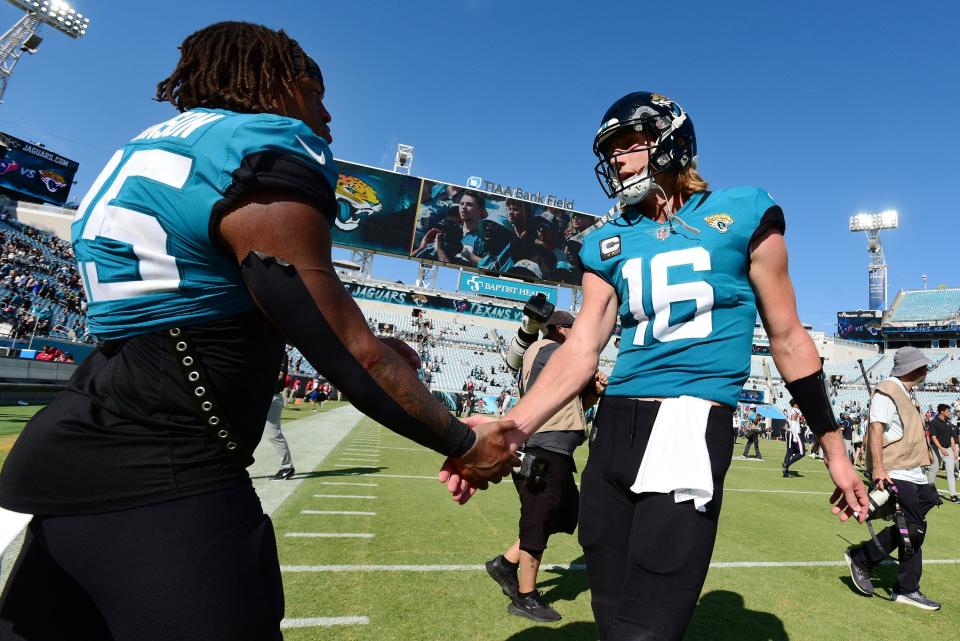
<point>684,270</point>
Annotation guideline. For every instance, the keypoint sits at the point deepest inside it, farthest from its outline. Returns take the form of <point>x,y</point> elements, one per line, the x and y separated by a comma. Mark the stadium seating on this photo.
<point>926,305</point>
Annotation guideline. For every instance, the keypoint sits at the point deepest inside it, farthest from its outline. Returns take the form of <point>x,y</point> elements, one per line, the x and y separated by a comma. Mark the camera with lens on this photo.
<point>532,468</point>
<point>535,315</point>
<point>881,507</point>
<point>452,235</point>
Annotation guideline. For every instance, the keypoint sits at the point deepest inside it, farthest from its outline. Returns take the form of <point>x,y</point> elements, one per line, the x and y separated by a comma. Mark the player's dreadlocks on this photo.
<point>236,66</point>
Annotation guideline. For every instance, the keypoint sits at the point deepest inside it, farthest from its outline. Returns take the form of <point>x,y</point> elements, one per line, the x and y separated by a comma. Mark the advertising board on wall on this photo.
<point>503,288</point>
<point>430,301</point>
<point>36,172</point>
<point>860,325</point>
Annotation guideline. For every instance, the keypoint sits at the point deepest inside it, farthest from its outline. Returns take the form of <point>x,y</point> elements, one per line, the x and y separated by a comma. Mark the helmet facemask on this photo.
<point>659,123</point>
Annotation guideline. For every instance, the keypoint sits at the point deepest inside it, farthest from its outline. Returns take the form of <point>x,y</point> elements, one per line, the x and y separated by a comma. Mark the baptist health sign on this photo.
<point>515,290</point>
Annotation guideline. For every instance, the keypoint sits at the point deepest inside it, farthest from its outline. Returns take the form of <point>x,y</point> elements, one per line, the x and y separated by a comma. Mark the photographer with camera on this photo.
<point>549,499</point>
<point>897,452</point>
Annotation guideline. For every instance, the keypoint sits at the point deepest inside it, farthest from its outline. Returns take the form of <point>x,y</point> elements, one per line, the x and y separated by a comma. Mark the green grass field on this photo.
<point>766,518</point>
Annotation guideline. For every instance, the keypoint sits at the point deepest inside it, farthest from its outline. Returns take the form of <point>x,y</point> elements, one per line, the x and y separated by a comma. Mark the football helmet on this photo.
<point>673,145</point>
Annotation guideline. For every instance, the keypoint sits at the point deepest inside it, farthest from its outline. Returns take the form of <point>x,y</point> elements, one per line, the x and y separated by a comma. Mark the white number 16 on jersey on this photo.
<point>663,294</point>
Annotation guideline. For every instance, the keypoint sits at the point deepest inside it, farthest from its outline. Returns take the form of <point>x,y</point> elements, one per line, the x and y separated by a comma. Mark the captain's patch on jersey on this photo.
<point>720,222</point>
<point>609,247</point>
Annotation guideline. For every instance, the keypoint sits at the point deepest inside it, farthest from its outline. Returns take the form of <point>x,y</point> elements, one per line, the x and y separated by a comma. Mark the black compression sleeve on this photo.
<point>810,392</point>
<point>278,287</point>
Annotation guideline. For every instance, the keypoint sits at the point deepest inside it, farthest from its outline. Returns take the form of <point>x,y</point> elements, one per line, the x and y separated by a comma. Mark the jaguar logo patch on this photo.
<point>720,222</point>
<point>609,247</point>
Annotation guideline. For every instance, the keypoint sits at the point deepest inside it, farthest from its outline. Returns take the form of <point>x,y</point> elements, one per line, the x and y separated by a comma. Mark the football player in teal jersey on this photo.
<point>204,245</point>
<point>685,271</point>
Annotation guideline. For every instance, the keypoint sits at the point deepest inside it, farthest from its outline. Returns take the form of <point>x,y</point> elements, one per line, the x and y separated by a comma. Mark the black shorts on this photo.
<point>203,567</point>
<point>549,507</point>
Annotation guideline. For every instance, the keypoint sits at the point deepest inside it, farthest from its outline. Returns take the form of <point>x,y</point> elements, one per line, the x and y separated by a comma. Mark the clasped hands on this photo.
<point>491,458</point>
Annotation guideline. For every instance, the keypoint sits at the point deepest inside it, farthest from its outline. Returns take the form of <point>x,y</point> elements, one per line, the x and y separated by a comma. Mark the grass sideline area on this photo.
<point>14,417</point>
<point>766,519</point>
<point>420,575</point>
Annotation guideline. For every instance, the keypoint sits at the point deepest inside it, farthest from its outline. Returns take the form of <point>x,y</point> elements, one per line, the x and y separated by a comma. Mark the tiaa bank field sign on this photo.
<point>501,288</point>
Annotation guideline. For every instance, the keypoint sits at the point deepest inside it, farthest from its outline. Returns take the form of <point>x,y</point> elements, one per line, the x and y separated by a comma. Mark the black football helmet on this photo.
<point>673,147</point>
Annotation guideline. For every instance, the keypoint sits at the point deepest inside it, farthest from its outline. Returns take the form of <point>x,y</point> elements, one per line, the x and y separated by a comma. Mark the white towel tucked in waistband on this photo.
<point>676,459</point>
<point>11,525</point>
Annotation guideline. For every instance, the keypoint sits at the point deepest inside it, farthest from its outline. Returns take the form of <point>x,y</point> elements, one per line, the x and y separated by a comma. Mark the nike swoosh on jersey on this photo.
<point>320,158</point>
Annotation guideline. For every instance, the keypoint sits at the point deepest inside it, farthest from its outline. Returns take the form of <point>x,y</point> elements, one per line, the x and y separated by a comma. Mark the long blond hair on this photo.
<point>689,182</point>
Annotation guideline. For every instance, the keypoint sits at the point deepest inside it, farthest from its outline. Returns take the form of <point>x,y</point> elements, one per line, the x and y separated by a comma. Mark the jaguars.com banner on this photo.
<point>35,171</point>
<point>375,209</point>
<point>502,288</point>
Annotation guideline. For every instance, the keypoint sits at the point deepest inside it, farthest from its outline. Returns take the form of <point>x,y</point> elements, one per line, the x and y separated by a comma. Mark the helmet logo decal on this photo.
<point>720,222</point>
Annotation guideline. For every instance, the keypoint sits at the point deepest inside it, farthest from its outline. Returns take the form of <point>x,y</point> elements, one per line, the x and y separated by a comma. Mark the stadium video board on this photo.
<point>862,326</point>
<point>430,221</point>
<point>492,233</point>
<point>36,172</point>
<point>375,209</point>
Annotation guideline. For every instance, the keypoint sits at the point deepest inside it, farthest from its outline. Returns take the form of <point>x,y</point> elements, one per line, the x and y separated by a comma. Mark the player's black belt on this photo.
<point>214,420</point>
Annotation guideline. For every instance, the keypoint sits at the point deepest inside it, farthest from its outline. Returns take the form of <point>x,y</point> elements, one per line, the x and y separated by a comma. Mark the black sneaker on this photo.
<point>505,576</point>
<point>282,474</point>
<point>533,608</point>
<point>915,599</point>
<point>859,574</point>
<point>955,499</point>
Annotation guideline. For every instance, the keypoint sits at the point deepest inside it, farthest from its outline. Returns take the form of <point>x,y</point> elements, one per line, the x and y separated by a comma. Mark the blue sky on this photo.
<point>832,107</point>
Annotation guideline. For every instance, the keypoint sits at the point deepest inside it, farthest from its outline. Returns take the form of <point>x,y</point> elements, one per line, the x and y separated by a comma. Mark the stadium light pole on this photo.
<point>23,36</point>
<point>873,224</point>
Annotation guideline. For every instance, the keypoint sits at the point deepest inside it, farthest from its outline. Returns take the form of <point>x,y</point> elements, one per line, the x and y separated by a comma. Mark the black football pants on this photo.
<point>647,556</point>
<point>915,501</point>
<point>199,568</point>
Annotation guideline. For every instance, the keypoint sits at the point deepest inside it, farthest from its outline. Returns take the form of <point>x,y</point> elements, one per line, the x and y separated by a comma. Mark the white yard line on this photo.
<point>338,512</point>
<point>322,622</point>
<point>354,484</point>
<point>329,535</point>
<point>574,566</point>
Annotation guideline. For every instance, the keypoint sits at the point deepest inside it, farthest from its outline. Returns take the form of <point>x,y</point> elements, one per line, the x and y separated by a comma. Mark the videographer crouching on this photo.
<point>897,452</point>
<point>549,499</point>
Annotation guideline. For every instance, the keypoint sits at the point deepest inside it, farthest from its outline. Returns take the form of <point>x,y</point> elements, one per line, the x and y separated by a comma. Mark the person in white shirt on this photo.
<point>897,454</point>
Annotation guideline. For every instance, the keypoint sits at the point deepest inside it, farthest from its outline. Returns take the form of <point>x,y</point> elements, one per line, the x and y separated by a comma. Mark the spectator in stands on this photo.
<point>944,447</point>
<point>148,526</point>
<point>522,221</point>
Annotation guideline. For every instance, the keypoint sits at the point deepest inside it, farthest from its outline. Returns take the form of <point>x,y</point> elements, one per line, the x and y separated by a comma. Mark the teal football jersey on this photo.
<point>686,305</point>
<point>145,234</point>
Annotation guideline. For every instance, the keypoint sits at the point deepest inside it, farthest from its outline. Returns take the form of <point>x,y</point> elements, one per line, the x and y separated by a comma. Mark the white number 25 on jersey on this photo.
<point>662,294</point>
<point>105,220</point>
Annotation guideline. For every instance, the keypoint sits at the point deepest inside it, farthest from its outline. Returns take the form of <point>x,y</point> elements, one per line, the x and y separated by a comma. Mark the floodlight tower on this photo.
<point>872,224</point>
<point>22,37</point>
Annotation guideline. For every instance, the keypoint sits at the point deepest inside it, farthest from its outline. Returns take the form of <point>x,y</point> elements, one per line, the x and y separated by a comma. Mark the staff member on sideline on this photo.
<point>942,440</point>
<point>897,452</point>
<point>685,270</point>
<point>548,505</point>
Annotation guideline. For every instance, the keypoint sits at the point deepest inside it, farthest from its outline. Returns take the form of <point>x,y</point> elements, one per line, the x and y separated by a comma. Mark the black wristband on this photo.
<point>459,438</point>
<point>810,393</point>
